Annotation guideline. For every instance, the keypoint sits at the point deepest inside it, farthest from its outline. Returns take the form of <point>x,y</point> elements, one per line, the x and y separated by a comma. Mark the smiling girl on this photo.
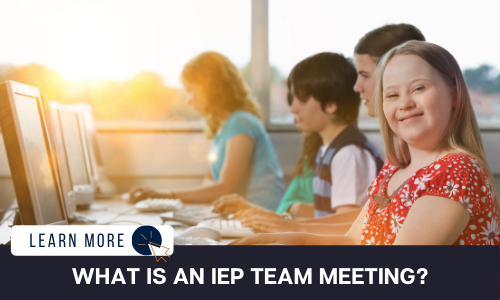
<point>436,188</point>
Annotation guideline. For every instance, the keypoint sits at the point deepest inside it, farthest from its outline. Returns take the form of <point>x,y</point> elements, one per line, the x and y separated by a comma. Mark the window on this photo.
<point>125,58</point>
<point>122,57</point>
<point>301,28</point>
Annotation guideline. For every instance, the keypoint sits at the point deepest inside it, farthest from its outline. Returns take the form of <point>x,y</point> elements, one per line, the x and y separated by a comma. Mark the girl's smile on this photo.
<point>410,117</point>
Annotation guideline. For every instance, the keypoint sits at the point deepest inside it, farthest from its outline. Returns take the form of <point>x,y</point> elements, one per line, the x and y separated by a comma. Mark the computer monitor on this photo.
<point>103,186</point>
<point>30,155</point>
<point>73,136</point>
<point>55,135</point>
<point>91,139</point>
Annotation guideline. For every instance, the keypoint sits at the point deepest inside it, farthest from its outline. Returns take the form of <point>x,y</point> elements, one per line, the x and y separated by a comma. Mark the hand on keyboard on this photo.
<point>228,228</point>
<point>230,204</point>
<point>152,205</point>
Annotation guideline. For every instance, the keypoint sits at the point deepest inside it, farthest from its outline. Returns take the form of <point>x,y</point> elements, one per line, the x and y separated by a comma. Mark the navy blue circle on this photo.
<point>141,238</point>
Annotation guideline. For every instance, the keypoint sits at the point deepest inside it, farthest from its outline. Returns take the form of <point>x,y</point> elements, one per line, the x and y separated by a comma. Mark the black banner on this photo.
<point>340,272</point>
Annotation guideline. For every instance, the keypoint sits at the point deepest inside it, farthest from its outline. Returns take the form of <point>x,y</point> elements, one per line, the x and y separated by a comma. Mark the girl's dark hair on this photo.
<point>310,148</point>
<point>328,78</point>
<point>378,41</point>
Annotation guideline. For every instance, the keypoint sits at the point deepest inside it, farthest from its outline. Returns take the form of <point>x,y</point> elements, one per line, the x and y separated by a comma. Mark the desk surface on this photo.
<point>113,212</point>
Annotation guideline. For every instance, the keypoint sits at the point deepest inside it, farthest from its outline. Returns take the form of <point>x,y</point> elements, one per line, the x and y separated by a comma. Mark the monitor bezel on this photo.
<point>76,110</point>
<point>55,132</point>
<point>19,162</point>
<point>90,134</point>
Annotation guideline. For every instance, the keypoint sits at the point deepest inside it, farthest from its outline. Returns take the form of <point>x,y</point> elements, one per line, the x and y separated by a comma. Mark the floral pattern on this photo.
<point>490,232</point>
<point>370,242</point>
<point>406,196</point>
<point>420,182</point>
<point>456,176</point>
<point>451,187</point>
<point>465,203</point>
<point>396,222</point>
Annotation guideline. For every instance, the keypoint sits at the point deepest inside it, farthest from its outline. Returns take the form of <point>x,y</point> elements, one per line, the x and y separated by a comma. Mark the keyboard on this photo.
<point>228,228</point>
<point>178,240</point>
<point>191,216</point>
<point>156,204</point>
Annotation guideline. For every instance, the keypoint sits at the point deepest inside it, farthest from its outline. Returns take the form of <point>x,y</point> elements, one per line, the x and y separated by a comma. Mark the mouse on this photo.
<point>202,231</point>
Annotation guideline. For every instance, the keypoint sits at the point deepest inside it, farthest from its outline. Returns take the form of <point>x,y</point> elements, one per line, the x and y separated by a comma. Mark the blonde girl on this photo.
<point>242,157</point>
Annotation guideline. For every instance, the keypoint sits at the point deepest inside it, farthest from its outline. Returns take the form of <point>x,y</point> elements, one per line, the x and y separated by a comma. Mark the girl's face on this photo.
<point>195,98</point>
<point>417,102</point>
<point>365,84</point>
<point>309,116</point>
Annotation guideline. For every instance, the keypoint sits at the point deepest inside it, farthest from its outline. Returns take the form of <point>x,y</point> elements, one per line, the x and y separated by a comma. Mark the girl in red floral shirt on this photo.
<point>436,188</point>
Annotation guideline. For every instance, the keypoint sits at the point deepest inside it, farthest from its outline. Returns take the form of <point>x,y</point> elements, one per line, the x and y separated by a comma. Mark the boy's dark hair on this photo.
<point>379,41</point>
<point>328,78</point>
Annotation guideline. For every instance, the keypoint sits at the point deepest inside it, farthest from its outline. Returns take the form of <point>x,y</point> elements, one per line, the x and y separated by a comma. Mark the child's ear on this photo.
<point>331,108</point>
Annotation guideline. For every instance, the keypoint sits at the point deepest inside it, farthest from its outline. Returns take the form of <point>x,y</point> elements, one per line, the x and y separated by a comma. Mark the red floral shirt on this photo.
<point>456,176</point>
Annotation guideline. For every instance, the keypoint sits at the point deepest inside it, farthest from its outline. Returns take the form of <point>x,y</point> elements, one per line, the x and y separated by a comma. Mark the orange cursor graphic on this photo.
<point>158,259</point>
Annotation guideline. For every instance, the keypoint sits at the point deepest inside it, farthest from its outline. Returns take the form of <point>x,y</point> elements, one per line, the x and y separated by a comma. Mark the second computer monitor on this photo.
<point>91,139</point>
<point>55,132</point>
<point>78,159</point>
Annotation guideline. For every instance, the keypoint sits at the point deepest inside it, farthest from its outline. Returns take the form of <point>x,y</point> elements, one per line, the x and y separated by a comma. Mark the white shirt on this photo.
<point>352,169</point>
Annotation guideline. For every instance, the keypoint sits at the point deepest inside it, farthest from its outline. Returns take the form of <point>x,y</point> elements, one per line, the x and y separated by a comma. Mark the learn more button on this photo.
<point>124,240</point>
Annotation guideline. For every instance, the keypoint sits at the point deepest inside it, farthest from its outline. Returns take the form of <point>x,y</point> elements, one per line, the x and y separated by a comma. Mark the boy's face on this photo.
<point>365,84</point>
<point>310,117</point>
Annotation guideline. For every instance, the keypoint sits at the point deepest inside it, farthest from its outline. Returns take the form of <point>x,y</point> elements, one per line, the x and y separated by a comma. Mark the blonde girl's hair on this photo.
<point>221,84</point>
<point>462,133</point>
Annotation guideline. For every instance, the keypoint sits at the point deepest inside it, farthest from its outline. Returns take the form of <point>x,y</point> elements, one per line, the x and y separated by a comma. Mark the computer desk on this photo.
<point>113,211</point>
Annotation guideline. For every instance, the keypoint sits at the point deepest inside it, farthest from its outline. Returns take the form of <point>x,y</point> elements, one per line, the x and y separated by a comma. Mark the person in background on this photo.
<point>371,48</point>
<point>242,157</point>
<point>324,102</point>
<point>300,190</point>
<point>436,188</point>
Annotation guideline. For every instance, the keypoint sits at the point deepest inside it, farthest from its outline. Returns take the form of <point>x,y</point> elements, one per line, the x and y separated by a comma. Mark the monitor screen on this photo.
<point>45,185</point>
<point>91,138</point>
<point>62,163</point>
<point>59,143</point>
<point>74,147</point>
